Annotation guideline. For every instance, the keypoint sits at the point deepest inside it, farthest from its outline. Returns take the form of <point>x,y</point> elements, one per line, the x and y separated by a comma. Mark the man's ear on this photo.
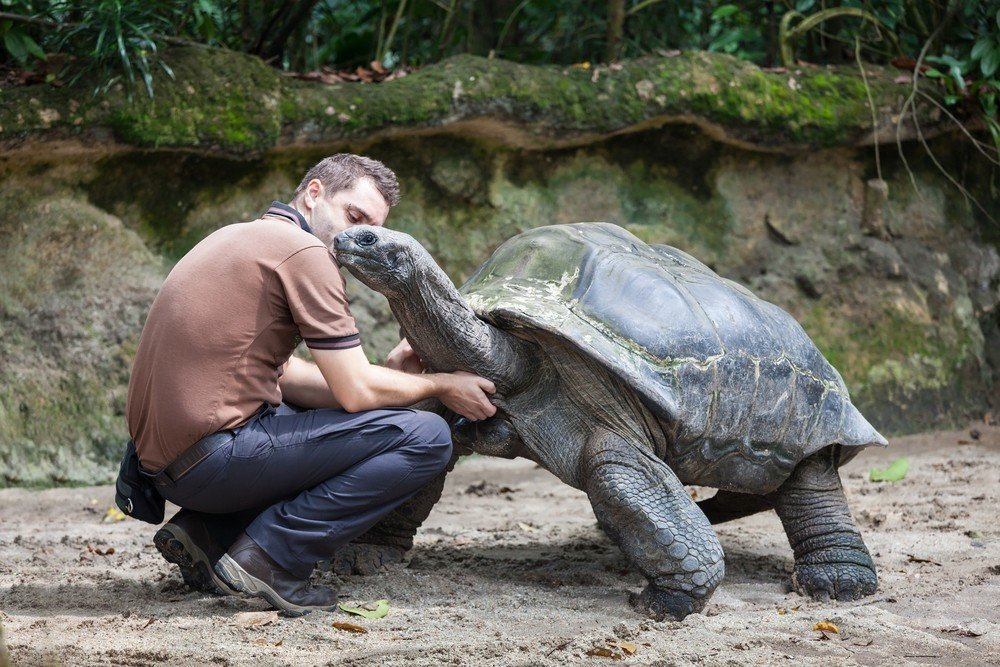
<point>313,193</point>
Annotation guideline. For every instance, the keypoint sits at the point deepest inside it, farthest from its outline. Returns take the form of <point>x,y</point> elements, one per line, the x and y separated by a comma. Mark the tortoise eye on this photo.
<point>366,239</point>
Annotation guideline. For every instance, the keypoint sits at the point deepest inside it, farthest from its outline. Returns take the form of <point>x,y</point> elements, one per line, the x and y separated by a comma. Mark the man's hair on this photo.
<point>342,171</point>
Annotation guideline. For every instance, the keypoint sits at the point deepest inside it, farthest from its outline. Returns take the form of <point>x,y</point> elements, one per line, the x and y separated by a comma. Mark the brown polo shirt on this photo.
<point>222,326</point>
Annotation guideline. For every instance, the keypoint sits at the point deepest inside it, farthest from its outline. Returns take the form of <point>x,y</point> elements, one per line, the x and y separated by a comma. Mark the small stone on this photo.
<point>644,89</point>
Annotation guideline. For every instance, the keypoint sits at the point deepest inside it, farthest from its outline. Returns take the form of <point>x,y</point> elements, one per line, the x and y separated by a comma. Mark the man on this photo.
<point>277,461</point>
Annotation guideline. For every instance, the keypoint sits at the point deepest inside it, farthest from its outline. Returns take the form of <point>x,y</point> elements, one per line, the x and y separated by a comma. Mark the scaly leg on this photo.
<point>645,509</point>
<point>831,560</point>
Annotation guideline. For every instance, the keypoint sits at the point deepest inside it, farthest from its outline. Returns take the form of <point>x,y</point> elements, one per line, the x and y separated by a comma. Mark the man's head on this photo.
<point>344,190</point>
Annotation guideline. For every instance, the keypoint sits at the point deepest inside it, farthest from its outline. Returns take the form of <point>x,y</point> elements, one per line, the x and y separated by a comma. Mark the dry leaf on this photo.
<point>349,627</point>
<point>251,618</point>
<point>916,559</point>
<point>528,528</point>
<point>826,626</point>
<point>601,652</point>
<point>628,647</point>
<point>962,632</point>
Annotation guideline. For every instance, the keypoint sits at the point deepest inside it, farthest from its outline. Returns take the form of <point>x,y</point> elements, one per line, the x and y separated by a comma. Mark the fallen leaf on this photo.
<point>916,559</point>
<point>962,632</point>
<point>349,627</point>
<point>251,618</point>
<point>826,626</point>
<point>601,652</point>
<point>896,471</point>
<point>628,647</point>
<point>377,609</point>
<point>528,528</point>
<point>113,515</point>
<point>152,619</point>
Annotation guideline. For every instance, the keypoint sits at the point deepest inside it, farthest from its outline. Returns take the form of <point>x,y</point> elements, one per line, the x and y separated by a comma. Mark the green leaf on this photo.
<point>723,11</point>
<point>984,44</point>
<point>896,471</point>
<point>376,609</point>
<point>15,46</point>
<point>990,62</point>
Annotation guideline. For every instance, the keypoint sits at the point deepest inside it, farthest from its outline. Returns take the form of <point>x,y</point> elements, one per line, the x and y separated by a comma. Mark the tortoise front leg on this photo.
<point>644,508</point>
<point>831,560</point>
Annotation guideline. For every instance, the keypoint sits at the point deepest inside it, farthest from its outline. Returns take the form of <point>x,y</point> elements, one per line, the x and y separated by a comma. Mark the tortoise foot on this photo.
<point>662,603</point>
<point>366,559</point>
<point>835,581</point>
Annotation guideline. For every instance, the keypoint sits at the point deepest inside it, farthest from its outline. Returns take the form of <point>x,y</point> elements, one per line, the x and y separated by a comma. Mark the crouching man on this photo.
<point>277,461</point>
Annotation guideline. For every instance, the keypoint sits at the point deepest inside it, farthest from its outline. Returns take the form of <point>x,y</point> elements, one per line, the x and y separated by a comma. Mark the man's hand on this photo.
<point>403,358</point>
<point>467,394</point>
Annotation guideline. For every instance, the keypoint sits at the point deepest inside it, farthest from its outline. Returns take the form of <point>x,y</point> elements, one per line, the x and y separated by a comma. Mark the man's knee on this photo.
<point>431,433</point>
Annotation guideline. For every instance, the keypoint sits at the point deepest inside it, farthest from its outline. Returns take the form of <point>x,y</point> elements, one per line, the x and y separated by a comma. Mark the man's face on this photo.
<point>329,215</point>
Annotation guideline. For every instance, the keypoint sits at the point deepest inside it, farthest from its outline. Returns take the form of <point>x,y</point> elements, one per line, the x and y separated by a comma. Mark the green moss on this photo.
<point>74,290</point>
<point>219,100</point>
<point>231,103</point>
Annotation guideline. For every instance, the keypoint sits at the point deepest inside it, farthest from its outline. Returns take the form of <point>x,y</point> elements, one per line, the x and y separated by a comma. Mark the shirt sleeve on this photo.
<point>317,302</point>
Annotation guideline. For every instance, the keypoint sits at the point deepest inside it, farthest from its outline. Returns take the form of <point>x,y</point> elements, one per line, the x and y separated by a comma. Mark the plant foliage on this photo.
<point>120,40</point>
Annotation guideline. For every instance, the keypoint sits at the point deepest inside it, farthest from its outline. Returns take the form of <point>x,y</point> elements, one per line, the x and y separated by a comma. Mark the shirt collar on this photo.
<point>285,211</point>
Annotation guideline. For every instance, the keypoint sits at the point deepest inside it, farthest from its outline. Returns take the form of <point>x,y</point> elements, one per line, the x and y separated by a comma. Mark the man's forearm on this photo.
<point>387,388</point>
<point>359,385</point>
<point>303,384</point>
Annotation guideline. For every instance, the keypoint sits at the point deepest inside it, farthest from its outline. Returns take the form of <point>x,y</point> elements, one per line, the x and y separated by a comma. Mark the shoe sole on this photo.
<point>239,579</point>
<point>177,547</point>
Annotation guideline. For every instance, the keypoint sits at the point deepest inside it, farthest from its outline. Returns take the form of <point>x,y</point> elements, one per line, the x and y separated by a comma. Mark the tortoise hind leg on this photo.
<point>645,509</point>
<point>831,560</point>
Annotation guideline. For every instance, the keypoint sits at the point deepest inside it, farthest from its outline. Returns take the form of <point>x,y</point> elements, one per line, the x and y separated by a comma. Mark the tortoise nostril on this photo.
<point>366,239</point>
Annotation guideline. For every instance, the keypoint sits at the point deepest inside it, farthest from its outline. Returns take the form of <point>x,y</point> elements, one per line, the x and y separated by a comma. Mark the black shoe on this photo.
<point>189,543</point>
<point>248,569</point>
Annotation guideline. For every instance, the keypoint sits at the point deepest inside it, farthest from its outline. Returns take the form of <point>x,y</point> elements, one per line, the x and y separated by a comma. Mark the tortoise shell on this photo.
<point>740,390</point>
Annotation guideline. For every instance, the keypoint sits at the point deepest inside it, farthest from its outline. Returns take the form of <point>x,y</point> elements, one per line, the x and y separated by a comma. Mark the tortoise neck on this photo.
<point>445,332</point>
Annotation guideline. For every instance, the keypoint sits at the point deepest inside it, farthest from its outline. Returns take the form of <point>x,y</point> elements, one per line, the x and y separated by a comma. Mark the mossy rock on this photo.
<point>226,103</point>
<point>75,288</point>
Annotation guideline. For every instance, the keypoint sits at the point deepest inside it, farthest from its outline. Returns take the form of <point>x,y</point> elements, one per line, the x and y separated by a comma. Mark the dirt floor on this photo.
<point>511,569</point>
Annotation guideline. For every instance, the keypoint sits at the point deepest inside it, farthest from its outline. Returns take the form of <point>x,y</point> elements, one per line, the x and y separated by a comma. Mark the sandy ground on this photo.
<point>516,572</point>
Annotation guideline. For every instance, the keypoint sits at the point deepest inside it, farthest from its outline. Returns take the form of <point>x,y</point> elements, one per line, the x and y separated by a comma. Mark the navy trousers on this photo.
<point>319,478</point>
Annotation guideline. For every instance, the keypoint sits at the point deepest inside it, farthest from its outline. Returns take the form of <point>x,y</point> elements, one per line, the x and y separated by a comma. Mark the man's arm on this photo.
<point>354,384</point>
<point>303,384</point>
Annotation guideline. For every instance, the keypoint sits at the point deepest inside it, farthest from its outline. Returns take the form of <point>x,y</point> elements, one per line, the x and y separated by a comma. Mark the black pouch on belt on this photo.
<point>135,493</point>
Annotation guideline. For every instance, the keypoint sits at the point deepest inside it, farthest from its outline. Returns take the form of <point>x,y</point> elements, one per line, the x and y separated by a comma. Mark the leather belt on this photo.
<point>197,453</point>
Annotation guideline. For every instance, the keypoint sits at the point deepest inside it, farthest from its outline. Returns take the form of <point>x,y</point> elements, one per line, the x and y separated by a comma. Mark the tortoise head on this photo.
<point>383,259</point>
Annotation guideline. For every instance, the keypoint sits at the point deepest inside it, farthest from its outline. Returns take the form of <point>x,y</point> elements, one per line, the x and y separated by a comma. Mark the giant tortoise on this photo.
<point>629,370</point>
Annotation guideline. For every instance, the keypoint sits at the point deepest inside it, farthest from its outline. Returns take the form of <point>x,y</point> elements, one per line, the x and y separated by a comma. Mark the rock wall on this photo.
<point>899,285</point>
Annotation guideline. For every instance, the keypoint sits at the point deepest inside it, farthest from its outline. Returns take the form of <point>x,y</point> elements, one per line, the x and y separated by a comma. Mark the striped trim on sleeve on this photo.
<point>341,343</point>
